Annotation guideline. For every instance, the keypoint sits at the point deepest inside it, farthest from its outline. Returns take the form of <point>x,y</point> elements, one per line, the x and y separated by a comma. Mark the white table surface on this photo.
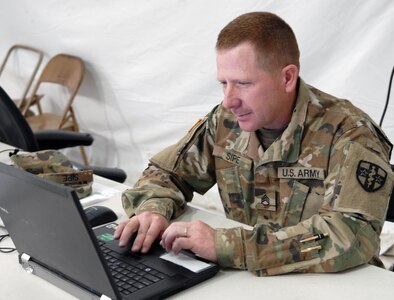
<point>365,282</point>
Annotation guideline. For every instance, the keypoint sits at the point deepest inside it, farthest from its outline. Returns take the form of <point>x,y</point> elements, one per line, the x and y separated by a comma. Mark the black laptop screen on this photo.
<point>44,221</point>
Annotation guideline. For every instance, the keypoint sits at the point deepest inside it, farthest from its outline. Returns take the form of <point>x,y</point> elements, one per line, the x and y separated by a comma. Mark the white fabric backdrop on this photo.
<point>150,65</point>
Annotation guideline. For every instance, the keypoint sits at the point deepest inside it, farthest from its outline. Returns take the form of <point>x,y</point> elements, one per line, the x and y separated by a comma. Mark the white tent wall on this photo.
<point>150,65</point>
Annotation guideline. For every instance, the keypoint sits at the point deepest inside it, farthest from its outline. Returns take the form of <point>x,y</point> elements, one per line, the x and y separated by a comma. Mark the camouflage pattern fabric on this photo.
<point>317,197</point>
<point>55,166</point>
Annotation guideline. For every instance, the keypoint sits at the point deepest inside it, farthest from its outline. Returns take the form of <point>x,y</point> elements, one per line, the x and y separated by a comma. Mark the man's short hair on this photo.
<point>273,39</point>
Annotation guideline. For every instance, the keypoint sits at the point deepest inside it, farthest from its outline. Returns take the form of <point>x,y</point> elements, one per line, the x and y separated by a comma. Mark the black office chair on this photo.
<point>390,210</point>
<point>15,131</point>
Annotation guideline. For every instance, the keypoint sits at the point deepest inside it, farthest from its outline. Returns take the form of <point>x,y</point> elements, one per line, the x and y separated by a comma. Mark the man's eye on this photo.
<point>243,83</point>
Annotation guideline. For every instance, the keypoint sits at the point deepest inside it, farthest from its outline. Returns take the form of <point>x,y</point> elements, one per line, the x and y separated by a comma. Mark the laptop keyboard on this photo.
<point>128,277</point>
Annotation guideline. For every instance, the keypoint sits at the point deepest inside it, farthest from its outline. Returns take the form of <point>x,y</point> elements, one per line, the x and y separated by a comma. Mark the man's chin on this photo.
<point>247,126</point>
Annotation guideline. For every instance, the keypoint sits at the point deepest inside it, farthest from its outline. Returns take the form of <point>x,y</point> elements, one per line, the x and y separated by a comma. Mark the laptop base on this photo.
<point>34,268</point>
<point>63,249</point>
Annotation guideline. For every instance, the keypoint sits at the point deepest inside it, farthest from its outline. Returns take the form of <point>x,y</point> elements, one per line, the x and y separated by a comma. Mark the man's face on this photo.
<point>256,97</point>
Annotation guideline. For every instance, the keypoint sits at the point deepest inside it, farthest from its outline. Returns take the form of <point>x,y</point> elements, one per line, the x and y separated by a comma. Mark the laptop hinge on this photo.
<point>24,261</point>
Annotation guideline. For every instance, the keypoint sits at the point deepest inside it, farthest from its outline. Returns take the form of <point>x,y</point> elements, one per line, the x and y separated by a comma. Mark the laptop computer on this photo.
<point>55,241</point>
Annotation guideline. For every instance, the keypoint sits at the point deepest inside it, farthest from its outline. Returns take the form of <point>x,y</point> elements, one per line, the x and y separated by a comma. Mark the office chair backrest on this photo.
<point>14,130</point>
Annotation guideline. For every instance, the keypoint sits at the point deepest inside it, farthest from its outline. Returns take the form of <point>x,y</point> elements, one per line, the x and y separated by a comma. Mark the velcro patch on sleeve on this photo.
<point>365,183</point>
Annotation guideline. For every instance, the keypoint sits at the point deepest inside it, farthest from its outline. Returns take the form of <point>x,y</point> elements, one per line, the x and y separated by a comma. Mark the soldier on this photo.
<point>308,171</point>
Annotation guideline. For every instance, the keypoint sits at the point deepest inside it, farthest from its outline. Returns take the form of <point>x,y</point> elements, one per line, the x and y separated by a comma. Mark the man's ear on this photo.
<point>290,76</point>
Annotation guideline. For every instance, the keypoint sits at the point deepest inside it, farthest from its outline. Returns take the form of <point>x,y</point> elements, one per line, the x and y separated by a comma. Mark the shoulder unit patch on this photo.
<point>370,176</point>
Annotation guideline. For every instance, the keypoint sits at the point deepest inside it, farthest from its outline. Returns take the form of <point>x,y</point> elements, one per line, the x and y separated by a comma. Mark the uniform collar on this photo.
<point>287,147</point>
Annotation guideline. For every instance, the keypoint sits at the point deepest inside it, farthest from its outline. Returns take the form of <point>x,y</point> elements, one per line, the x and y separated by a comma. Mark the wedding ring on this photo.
<point>186,232</point>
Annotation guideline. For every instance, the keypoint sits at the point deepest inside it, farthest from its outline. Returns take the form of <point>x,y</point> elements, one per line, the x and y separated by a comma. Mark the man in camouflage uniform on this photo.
<point>309,171</point>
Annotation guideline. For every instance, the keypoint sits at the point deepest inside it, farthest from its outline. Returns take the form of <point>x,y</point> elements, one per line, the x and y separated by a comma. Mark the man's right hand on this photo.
<point>150,226</point>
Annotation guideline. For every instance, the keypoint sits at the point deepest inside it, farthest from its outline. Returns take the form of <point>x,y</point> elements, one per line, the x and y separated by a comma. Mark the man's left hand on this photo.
<point>195,236</point>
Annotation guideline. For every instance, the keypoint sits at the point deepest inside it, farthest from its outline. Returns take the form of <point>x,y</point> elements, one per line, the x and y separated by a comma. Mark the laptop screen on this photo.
<point>44,221</point>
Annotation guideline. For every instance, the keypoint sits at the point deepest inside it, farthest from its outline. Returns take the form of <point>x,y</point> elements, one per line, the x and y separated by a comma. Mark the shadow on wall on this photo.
<point>98,113</point>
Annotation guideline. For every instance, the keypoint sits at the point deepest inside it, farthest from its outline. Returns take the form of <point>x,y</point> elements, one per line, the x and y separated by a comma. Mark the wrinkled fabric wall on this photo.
<point>150,65</point>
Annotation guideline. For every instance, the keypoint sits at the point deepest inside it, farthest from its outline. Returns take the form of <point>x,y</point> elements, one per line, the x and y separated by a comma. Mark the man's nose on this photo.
<point>230,99</point>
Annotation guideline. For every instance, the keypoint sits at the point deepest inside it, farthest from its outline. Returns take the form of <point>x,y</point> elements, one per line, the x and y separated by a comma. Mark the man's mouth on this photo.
<point>241,116</point>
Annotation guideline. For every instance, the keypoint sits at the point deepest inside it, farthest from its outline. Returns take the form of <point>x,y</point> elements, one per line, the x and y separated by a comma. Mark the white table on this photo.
<point>366,282</point>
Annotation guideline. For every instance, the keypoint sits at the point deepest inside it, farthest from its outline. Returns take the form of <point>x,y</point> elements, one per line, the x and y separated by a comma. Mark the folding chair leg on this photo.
<point>84,156</point>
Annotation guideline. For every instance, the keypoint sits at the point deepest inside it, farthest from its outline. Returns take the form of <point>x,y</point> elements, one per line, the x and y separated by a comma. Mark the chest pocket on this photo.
<point>299,201</point>
<point>294,203</point>
<point>235,183</point>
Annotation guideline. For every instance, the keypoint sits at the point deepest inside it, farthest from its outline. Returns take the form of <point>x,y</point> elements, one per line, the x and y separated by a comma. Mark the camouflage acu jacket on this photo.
<point>317,197</point>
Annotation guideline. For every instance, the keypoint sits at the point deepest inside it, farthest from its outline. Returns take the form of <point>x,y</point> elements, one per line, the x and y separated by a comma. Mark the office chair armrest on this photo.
<point>115,174</point>
<point>59,139</point>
